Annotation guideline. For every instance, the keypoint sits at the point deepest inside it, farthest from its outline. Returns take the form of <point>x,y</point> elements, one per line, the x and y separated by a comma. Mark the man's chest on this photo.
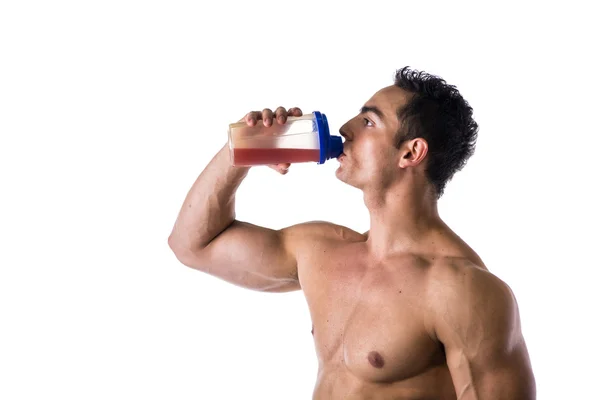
<point>369,317</point>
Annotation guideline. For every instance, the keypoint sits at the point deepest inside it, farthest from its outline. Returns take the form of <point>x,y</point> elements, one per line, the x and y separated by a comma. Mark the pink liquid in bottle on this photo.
<point>250,156</point>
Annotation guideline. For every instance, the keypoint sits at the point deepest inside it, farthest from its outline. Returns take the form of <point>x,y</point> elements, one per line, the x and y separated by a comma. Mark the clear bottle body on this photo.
<point>296,141</point>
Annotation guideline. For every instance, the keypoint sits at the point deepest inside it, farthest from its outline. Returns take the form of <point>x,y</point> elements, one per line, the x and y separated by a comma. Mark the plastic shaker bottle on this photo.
<point>300,139</point>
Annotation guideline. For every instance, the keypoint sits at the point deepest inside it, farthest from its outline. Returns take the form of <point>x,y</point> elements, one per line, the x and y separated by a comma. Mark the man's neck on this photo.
<point>401,217</point>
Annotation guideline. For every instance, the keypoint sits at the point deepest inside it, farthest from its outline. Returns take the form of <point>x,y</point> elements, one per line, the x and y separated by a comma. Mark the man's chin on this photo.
<point>340,175</point>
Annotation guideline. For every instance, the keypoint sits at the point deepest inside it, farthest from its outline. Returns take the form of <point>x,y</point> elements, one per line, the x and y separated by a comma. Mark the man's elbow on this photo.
<point>176,246</point>
<point>186,255</point>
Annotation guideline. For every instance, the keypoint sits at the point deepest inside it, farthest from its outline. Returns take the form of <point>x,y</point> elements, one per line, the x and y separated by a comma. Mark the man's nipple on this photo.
<point>375,359</point>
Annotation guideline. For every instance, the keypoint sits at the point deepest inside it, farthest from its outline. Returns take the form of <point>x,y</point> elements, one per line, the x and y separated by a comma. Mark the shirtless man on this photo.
<point>406,310</point>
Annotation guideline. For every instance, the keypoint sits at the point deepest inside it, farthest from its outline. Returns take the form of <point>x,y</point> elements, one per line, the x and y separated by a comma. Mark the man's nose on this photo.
<point>345,132</point>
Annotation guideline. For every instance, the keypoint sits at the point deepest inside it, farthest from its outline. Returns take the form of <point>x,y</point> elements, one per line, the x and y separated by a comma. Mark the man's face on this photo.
<point>370,158</point>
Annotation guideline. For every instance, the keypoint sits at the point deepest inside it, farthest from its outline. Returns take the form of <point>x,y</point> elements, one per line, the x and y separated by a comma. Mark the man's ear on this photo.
<point>413,152</point>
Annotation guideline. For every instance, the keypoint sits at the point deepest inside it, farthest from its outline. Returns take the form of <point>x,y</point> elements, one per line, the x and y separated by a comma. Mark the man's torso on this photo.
<point>370,318</point>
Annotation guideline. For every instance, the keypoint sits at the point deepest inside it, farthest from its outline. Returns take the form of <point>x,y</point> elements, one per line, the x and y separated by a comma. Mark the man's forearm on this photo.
<point>209,207</point>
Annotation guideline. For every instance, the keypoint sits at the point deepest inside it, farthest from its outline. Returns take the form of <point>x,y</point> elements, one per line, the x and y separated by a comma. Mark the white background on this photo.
<point>110,110</point>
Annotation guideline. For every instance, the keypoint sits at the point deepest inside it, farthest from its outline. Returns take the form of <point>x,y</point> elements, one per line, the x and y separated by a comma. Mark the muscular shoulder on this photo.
<point>311,231</point>
<point>459,291</point>
<point>474,315</point>
<point>453,273</point>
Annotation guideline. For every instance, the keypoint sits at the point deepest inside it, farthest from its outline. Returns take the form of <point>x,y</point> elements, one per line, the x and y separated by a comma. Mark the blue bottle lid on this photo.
<point>329,146</point>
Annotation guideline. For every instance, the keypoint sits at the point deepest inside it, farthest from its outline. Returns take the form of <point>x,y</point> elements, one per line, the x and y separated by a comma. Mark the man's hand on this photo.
<point>267,116</point>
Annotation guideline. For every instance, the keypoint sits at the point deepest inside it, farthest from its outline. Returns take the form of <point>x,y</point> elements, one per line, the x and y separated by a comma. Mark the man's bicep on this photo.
<point>500,376</point>
<point>250,256</point>
<point>477,321</point>
<point>256,257</point>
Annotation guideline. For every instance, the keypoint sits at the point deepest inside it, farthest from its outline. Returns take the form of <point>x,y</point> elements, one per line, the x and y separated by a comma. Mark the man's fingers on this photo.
<point>252,117</point>
<point>267,117</point>
<point>295,112</point>
<point>281,168</point>
<point>281,115</point>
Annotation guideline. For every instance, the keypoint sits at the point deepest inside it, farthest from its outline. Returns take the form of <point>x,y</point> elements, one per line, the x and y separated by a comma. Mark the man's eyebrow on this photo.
<point>373,109</point>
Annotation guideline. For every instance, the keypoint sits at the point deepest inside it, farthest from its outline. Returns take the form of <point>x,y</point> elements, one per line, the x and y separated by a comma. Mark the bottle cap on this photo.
<point>330,146</point>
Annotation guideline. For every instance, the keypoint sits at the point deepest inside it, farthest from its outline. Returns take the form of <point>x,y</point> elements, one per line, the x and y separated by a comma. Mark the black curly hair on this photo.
<point>437,113</point>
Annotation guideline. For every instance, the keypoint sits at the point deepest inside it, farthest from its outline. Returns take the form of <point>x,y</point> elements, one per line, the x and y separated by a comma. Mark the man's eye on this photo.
<point>367,122</point>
